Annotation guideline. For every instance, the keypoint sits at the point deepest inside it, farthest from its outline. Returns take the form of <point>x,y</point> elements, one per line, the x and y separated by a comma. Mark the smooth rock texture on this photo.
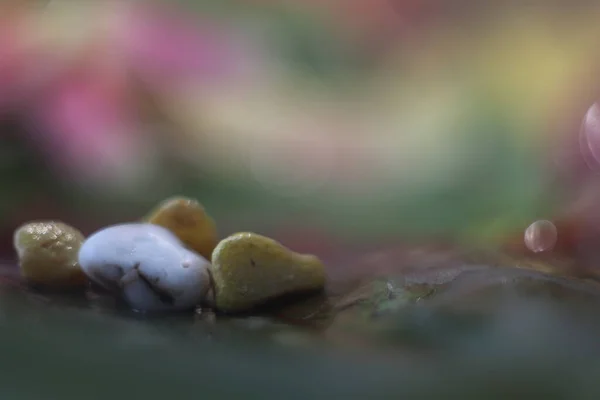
<point>47,252</point>
<point>188,220</point>
<point>147,265</point>
<point>248,269</point>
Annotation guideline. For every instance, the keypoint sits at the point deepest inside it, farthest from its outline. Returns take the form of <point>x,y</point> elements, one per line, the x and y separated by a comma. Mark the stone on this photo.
<point>188,220</point>
<point>147,265</point>
<point>249,269</point>
<point>47,253</point>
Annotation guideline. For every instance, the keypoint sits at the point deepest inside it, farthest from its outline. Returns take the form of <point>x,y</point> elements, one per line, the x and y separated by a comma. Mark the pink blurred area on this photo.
<point>118,97</point>
<point>80,93</point>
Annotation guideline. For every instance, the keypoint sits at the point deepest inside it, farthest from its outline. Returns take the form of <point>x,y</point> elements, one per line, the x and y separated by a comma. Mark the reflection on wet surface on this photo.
<point>409,326</point>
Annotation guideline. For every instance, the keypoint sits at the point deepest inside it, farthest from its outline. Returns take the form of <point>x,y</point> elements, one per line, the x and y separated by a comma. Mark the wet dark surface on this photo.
<point>417,322</point>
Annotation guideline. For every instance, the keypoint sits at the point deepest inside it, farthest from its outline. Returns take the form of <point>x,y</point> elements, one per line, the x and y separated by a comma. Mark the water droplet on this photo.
<point>589,137</point>
<point>541,236</point>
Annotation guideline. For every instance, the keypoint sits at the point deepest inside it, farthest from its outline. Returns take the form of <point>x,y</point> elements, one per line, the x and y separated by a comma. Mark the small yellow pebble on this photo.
<point>47,252</point>
<point>188,220</point>
<point>248,269</point>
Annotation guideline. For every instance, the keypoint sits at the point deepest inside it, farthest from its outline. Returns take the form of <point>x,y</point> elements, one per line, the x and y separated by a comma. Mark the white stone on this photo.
<point>148,265</point>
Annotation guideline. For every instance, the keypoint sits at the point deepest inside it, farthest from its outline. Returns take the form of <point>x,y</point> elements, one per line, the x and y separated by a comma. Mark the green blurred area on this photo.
<point>505,186</point>
<point>511,71</point>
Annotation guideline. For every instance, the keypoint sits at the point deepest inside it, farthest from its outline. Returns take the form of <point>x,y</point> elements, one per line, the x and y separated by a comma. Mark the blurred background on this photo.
<point>359,120</point>
<point>329,125</point>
